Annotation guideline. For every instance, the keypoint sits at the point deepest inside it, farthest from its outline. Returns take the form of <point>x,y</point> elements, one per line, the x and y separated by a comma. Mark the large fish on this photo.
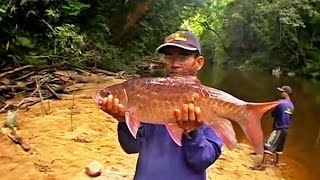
<point>153,100</point>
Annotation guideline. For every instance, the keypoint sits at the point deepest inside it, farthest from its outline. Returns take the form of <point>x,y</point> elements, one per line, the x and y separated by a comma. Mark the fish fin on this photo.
<point>175,132</point>
<point>252,125</point>
<point>132,123</point>
<point>126,99</point>
<point>224,129</point>
<point>97,99</point>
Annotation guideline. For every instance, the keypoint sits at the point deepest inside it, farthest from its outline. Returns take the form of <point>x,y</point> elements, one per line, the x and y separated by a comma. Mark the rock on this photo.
<point>83,138</point>
<point>93,169</point>
<point>291,74</point>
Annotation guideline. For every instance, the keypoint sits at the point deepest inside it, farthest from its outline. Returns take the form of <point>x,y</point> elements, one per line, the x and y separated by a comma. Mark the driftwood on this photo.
<point>96,70</point>
<point>18,140</point>
<point>25,76</point>
<point>14,137</point>
<point>16,87</point>
<point>83,71</point>
<point>37,86</point>
<point>53,92</point>
<point>4,108</point>
<point>15,70</point>
<point>24,104</point>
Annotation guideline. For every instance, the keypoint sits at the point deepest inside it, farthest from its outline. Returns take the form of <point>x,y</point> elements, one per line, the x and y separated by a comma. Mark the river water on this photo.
<point>303,141</point>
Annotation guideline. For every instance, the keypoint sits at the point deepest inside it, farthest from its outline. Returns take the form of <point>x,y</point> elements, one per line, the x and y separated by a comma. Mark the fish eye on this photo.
<point>108,93</point>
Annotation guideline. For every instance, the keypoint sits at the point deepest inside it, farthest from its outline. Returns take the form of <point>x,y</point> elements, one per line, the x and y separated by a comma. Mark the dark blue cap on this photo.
<point>286,89</point>
<point>182,39</point>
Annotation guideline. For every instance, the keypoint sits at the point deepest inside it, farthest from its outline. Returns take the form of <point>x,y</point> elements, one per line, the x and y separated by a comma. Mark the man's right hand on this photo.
<point>112,106</point>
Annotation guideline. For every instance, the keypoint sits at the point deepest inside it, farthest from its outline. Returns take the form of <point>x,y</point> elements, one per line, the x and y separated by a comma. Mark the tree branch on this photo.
<point>207,26</point>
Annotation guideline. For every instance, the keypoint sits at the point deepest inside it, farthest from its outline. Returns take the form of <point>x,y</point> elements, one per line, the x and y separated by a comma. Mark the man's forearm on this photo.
<point>201,149</point>
<point>128,143</point>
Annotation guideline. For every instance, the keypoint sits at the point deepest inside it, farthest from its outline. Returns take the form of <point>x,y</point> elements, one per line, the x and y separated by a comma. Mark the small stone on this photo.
<point>93,169</point>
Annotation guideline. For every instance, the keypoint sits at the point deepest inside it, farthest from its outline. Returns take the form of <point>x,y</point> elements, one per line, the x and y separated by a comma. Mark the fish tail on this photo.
<point>252,124</point>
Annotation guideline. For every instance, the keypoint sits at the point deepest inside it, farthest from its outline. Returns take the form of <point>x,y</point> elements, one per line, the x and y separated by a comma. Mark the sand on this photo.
<point>61,148</point>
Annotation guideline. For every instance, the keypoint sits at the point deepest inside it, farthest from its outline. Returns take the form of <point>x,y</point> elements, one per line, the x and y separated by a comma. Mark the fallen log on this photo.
<point>53,92</point>
<point>5,81</point>
<point>4,108</point>
<point>25,76</point>
<point>18,140</point>
<point>83,71</point>
<point>109,73</point>
<point>15,70</point>
<point>14,137</point>
<point>48,83</point>
<point>16,87</point>
<point>27,104</point>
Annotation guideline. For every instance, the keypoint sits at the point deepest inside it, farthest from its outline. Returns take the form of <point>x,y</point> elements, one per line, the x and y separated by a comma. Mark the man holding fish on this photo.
<point>159,157</point>
<point>161,118</point>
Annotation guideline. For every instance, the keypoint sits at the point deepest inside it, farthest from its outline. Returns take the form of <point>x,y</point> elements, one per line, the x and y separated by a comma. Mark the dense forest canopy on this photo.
<point>120,34</point>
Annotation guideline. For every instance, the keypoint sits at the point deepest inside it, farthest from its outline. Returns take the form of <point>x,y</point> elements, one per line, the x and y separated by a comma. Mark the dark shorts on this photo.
<point>276,141</point>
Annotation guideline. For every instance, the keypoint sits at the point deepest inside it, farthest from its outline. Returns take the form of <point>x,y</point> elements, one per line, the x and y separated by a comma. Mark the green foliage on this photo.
<point>37,32</point>
<point>264,34</point>
<point>110,34</point>
<point>278,33</point>
<point>115,35</point>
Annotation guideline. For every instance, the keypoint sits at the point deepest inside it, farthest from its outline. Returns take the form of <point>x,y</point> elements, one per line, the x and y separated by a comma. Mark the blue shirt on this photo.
<point>161,159</point>
<point>282,114</point>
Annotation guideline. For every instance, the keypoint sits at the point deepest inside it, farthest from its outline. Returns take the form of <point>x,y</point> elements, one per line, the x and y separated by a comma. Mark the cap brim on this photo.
<point>280,89</point>
<point>175,45</point>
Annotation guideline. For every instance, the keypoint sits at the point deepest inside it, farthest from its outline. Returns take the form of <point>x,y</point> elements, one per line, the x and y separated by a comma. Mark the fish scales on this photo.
<point>153,100</point>
<point>161,97</point>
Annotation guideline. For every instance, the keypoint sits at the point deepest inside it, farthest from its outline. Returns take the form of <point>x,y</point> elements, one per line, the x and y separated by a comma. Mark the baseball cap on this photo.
<point>182,39</point>
<point>286,89</point>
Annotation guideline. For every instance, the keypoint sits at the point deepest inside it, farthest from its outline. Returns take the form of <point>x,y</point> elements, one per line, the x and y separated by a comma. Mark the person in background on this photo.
<point>282,115</point>
<point>159,156</point>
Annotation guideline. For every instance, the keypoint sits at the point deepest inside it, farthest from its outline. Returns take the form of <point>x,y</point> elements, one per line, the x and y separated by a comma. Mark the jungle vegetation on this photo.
<point>120,34</point>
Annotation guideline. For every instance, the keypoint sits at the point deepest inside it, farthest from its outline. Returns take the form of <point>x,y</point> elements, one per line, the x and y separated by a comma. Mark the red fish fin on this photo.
<point>224,129</point>
<point>252,125</point>
<point>132,123</point>
<point>126,99</point>
<point>175,133</point>
<point>97,99</point>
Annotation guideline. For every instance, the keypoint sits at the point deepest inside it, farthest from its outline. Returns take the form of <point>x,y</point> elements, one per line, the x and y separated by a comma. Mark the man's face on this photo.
<point>282,94</point>
<point>181,62</point>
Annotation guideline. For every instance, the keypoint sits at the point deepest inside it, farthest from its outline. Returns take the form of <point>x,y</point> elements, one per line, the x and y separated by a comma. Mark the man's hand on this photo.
<point>112,106</point>
<point>188,118</point>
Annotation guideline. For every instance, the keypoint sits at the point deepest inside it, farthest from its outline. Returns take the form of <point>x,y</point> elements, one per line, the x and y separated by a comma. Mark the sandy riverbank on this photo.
<point>57,152</point>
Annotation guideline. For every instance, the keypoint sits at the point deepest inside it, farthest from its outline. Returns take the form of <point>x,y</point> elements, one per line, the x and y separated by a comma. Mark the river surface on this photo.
<point>303,141</point>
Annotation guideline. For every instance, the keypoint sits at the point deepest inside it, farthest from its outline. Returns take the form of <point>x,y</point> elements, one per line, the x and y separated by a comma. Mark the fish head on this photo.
<point>117,91</point>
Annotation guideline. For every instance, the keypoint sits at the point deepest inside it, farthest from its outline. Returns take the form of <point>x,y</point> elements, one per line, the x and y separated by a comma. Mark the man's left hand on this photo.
<point>188,118</point>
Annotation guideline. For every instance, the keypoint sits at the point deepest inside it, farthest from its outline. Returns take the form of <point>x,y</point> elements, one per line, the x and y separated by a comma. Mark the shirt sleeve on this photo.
<point>202,148</point>
<point>276,111</point>
<point>127,142</point>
